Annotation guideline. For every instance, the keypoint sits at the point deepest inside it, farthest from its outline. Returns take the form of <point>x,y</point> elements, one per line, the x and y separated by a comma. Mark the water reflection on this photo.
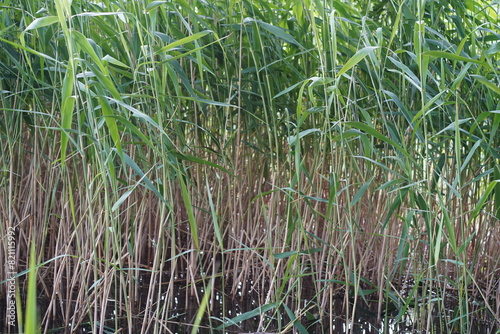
<point>224,308</point>
<point>181,310</point>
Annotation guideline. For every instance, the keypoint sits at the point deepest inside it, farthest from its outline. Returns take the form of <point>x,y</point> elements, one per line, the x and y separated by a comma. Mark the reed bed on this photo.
<point>334,157</point>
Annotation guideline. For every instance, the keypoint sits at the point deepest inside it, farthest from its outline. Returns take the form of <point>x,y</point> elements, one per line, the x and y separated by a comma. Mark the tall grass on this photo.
<point>334,156</point>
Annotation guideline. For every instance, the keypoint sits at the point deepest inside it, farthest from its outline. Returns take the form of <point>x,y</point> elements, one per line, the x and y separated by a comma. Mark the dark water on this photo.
<point>272,318</point>
<point>276,320</point>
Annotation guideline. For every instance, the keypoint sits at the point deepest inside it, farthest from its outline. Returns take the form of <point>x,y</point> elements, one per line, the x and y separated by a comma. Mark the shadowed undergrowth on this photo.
<point>330,156</point>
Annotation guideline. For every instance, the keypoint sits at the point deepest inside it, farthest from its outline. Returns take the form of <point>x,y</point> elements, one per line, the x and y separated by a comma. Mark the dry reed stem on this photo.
<point>38,201</point>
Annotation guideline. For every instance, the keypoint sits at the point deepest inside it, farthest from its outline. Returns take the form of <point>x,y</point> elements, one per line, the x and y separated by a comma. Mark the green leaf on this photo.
<point>133,129</point>
<point>215,218</point>
<point>197,160</point>
<point>395,206</point>
<point>336,281</point>
<point>42,22</point>
<point>23,47</point>
<point>206,101</point>
<point>496,192</point>
<point>137,113</point>
<point>483,199</point>
<point>453,126</point>
<point>366,292</point>
<point>360,192</point>
<point>68,104</point>
<point>279,32</point>
<point>358,56</point>
<point>410,76</point>
<point>284,255</point>
<point>123,198</point>
<point>153,4</point>
<point>370,130</point>
<point>247,315</point>
<point>186,197</point>
<point>184,40</point>
<point>67,118</point>
<point>84,44</point>
<point>293,318</point>
<point>31,318</point>
<point>452,56</point>
<point>114,61</point>
<point>94,14</point>
<point>111,124</point>
<point>147,182</point>
<point>65,6</point>
<point>470,155</point>
<point>203,306</point>
<point>289,89</point>
<point>487,83</point>
<point>292,139</point>
<point>405,112</point>
<point>311,250</point>
<point>494,48</point>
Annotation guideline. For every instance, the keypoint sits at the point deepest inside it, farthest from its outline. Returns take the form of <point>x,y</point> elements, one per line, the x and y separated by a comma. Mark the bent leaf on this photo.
<point>452,56</point>
<point>42,22</point>
<point>358,56</point>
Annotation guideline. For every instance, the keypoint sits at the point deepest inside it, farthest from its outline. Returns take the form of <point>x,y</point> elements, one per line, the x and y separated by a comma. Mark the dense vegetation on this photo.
<point>333,155</point>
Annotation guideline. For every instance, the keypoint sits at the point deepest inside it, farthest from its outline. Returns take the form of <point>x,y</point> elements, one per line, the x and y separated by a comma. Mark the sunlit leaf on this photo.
<point>358,56</point>
<point>42,22</point>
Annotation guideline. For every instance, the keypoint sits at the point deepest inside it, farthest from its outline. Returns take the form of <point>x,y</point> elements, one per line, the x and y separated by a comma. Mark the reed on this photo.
<point>335,158</point>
